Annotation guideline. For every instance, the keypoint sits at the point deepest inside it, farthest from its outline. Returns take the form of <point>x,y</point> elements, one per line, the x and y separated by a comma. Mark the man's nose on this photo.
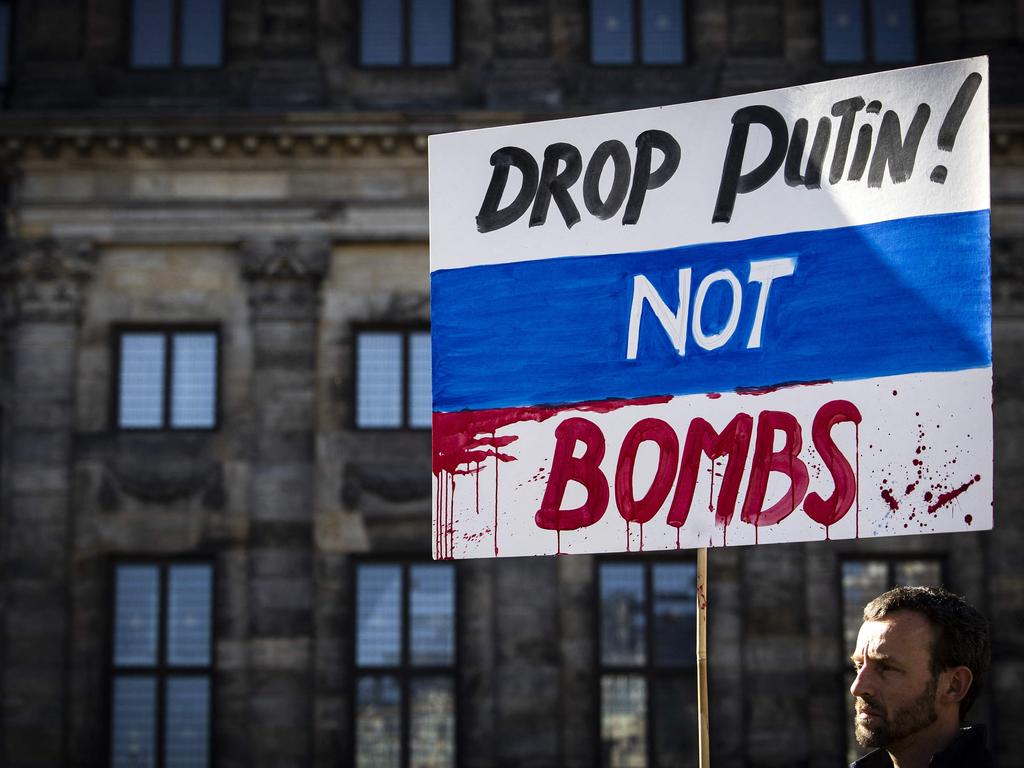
<point>861,683</point>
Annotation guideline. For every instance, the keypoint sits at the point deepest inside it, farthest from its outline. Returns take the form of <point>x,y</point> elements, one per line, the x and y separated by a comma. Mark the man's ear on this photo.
<point>955,683</point>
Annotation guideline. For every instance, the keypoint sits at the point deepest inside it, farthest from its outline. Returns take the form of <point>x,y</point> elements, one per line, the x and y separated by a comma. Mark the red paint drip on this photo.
<point>641,537</point>
<point>497,458</point>
<point>627,537</point>
<point>776,387</point>
<point>678,528</point>
<point>713,395</point>
<point>945,498</point>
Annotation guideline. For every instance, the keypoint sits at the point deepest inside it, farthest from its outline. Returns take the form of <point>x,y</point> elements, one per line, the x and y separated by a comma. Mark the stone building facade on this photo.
<point>275,201</point>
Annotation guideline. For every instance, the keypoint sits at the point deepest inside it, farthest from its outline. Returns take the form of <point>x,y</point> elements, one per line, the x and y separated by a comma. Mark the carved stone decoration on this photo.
<point>161,476</point>
<point>43,280</point>
<point>384,481</point>
<point>284,276</point>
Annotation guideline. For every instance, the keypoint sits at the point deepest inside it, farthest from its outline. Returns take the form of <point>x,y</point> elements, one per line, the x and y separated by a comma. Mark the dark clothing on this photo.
<point>968,750</point>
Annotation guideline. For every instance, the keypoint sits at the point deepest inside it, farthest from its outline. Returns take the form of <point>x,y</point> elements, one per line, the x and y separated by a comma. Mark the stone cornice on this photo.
<point>114,134</point>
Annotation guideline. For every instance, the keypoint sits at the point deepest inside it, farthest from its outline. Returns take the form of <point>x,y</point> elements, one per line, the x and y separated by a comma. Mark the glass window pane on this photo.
<point>842,30</point>
<point>202,33</point>
<point>622,614</point>
<point>141,384</point>
<point>675,614</point>
<point>5,41</point>
<point>187,734</point>
<point>432,29</point>
<point>432,615</point>
<point>136,615</point>
<point>432,722</point>
<point>194,384</point>
<point>917,573</point>
<point>133,722</point>
<point>675,721</point>
<point>380,33</point>
<point>189,593</point>
<point>893,29</point>
<point>611,31</point>
<point>378,723</point>
<point>420,405</point>
<point>378,615</point>
<point>863,580</point>
<point>379,380</point>
<point>152,33</point>
<point>664,32</point>
<point>623,721</point>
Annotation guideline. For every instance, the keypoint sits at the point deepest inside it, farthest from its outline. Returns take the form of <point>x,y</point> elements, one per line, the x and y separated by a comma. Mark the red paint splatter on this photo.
<point>713,395</point>
<point>894,505</point>
<point>927,495</point>
<point>910,489</point>
<point>948,496</point>
<point>894,393</point>
<point>968,519</point>
<point>776,387</point>
<point>467,438</point>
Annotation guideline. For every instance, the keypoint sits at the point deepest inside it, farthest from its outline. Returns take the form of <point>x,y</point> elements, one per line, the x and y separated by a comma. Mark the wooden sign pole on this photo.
<point>704,747</point>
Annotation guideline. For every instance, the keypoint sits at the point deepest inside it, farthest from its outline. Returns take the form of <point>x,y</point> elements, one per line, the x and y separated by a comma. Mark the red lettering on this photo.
<point>585,470</point>
<point>830,510</point>
<point>734,441</point>
<point>766,460</point>
<point>657,431</point>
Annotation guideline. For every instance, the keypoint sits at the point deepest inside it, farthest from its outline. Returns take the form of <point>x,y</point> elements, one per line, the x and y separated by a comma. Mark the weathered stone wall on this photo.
<point>164,197</point>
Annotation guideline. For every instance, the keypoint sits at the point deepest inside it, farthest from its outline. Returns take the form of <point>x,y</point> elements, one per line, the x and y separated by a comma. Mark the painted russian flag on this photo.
<point>757,319</point>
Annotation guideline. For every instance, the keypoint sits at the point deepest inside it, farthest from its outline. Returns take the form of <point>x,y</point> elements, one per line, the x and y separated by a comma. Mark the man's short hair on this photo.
<point>960,633</point>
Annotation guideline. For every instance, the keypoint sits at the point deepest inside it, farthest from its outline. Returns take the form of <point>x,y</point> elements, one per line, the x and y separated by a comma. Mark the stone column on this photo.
<point>284,282</point>
<point>42,284</point>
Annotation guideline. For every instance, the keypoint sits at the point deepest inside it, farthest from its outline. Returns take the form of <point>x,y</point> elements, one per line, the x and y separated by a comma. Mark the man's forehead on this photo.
<point>896,633</point>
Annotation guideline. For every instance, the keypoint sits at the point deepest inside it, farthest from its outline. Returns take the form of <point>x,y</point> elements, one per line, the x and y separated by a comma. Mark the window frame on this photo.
<point>404,671</point>
<point>870,58</point>
<point>160,671</point>
<point>650,671</point>
<point>177,12</point>
<point>638,39</point>
<point>406,28</point>
<point>405,330</point>
<point>168,330</point>
<point>891,559</point>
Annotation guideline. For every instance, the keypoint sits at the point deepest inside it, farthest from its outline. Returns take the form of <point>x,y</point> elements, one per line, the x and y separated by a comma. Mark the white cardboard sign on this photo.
<point>765,318</point>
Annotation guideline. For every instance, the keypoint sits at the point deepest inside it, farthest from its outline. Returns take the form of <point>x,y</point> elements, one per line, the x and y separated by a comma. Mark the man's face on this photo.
<point>894,690</point>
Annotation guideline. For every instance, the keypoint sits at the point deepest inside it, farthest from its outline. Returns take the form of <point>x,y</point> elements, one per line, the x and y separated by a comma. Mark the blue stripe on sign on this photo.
<point>904,296</point>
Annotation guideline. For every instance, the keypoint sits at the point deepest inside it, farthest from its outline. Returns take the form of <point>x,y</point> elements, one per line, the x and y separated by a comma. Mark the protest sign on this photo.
<point>763,318</point>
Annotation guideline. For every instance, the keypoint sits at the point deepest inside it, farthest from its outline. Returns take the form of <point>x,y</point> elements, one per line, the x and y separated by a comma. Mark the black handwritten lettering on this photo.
<point>733,180</point>
<point>490,218</point>
<point>554,184</point>
<point>643,178</point>
<point>605,209</point>
<point>895,151</point>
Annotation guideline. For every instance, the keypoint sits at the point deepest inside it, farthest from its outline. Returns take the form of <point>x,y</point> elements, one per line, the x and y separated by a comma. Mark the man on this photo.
<point>921,656</point>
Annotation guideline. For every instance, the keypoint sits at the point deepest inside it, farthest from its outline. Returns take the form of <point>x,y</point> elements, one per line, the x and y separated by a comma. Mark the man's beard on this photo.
<point>895,727</point>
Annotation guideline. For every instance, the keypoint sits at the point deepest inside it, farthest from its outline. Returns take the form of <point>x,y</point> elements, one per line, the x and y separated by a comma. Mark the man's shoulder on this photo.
<point>877,759</point>
<point>969,749</point>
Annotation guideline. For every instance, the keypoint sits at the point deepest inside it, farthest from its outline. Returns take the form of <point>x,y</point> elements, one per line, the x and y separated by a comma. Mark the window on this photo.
<point>167,379</point>
<point>405,665</point>
<point>395,33</point>
<point>161,664</point>
<point>864,579</point>
<point>393,378</point>
<point>648,623</point>
<point>182,33</point>
<point>637,31</point>
<point>857,31</point>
